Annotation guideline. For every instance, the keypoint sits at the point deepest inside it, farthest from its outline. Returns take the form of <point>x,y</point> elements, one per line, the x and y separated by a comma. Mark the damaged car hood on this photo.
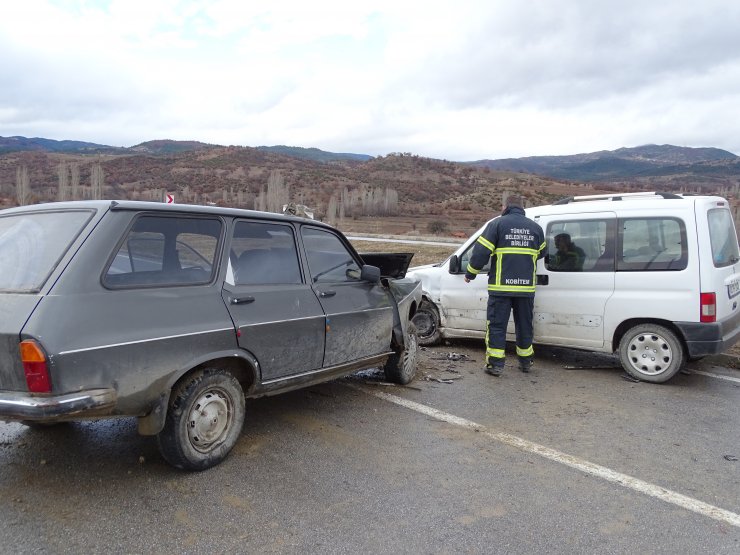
<point>392,265</point>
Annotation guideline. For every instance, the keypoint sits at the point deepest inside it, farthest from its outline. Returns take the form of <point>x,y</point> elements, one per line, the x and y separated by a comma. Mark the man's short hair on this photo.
<point>514,200</point>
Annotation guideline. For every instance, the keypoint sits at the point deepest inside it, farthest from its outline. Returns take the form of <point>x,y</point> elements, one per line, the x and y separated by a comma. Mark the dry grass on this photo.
<point>423,254</point>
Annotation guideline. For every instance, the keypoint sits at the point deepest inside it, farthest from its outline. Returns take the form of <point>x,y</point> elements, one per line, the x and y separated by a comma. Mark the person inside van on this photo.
<point>568,257</point>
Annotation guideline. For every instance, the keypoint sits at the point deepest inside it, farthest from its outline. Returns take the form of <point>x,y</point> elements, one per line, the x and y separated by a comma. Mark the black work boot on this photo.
<point>493,369</point>
<point>525,364</point>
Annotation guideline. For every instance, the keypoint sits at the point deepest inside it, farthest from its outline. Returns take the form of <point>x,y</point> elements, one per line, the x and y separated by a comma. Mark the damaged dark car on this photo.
<point>177,314</point>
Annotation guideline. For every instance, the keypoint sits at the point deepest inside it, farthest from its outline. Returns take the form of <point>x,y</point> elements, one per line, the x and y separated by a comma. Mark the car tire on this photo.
<point>426,321</point>
<point>651,353</point>
<point>204,420</point>
<point>400,367</point>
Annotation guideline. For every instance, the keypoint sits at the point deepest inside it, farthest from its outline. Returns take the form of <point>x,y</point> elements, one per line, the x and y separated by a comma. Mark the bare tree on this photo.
<point>22,186</point>
<point>74,181</point>
<point>63,190</point>
<point>278,193</point>
<point>96,180</point>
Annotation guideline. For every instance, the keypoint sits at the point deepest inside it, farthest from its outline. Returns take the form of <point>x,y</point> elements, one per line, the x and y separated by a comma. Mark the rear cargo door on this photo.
<point>720,260</point>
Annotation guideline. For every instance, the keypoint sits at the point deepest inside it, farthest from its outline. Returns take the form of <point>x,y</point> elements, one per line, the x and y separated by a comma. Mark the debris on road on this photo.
<point>630,378</point>
<point>731,458</point>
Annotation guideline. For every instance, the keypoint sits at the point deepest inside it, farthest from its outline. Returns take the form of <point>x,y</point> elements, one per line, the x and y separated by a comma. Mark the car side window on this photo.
<point>651,244</point>
<point>165,250</point>
<point>329,261</point>
<point>263,253</point>
<point>580,245</point>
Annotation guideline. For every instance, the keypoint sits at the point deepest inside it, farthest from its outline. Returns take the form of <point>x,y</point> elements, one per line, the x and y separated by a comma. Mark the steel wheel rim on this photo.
<point>649,353</point>
<point>409,355</point>
<point>424,323</point>
<point>210,419</point>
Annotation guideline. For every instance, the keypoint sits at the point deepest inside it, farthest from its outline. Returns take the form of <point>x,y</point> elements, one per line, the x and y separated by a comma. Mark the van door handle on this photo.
<point>242,300</point>
<point>327,294</point>
<point>543,279</point>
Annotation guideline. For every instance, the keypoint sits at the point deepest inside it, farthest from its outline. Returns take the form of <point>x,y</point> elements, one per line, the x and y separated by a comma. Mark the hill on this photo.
<point>397,193</point>
<point>625,163</point>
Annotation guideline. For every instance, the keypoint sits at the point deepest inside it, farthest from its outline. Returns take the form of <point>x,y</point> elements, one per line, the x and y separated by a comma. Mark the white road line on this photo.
<point>718,376</point>
<point>590,468</point>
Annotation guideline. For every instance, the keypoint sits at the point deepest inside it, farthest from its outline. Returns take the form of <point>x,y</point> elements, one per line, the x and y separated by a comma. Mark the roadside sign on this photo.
<point>169,198</point>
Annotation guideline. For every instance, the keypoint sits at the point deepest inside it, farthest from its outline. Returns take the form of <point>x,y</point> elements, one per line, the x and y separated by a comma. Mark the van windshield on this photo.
<point>723,238</point>
<point>33,243</point>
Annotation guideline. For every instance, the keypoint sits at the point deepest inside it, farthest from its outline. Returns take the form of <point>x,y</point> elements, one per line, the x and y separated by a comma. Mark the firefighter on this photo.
<point>513,243</point>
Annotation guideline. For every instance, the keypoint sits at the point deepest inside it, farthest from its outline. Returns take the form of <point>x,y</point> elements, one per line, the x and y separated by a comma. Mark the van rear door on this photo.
<point>719,255</point>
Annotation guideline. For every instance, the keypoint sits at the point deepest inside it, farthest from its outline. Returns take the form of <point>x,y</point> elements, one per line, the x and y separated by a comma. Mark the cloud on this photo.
<point>469,80</point>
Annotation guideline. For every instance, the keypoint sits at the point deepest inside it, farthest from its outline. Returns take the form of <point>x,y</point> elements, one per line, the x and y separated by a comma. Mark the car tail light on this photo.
<point>35,367</point>
<point>708,307</point>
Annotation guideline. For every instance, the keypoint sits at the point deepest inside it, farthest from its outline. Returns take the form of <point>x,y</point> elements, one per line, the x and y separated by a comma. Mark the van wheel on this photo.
<point>426,321</point>
<point>651,353</point>
<point>401,365</point>
<point>204,420</point>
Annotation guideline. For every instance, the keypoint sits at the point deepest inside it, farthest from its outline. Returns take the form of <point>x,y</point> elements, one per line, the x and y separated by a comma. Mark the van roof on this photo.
<point>621,201</point>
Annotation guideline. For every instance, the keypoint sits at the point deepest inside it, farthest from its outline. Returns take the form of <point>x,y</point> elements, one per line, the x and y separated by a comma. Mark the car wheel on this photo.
<point>204,420</point>
<point>401,365</point>
<point>426,321</point>
<point>651,353</point>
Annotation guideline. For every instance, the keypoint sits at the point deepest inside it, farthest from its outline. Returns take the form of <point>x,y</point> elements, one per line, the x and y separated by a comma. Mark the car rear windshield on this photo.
<point>33,243</point>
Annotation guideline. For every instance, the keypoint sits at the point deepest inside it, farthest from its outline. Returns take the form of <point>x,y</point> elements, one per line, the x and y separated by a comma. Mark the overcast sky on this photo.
<point>458,80</point>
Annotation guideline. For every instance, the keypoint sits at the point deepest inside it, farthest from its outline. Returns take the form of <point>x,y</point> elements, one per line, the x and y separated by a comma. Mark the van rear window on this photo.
<point>33,243</point>
<point>723,238</point>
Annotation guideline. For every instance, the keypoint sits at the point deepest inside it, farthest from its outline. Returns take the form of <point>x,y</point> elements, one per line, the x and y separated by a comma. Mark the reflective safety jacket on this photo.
<point>513,243</point>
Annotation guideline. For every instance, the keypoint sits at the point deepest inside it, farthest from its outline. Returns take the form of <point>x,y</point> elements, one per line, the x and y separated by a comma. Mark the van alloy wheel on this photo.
<point>651,353</point>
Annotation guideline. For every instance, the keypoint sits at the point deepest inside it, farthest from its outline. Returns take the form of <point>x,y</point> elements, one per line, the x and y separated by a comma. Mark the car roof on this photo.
<point>144,206</point>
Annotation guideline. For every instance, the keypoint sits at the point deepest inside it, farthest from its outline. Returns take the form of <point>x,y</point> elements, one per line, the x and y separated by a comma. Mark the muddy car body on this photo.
<point>175,314</point>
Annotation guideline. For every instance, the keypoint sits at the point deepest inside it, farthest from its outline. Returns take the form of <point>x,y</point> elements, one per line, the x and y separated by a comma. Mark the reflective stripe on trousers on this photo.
<point>499,310</point>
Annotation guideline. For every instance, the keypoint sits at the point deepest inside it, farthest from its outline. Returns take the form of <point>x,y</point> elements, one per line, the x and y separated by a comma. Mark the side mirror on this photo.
<point>454,264</point>
<point>370,273</point>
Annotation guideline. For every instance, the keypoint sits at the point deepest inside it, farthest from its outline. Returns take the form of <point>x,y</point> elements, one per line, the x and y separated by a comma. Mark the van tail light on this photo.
<point>35,367</point>
<point>708,307</point>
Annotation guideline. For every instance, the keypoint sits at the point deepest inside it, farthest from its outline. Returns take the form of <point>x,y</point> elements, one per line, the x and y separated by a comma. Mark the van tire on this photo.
<point>204,420</point>
<point>426,321</point>
<point>400,367</point>
<point>651,353</point>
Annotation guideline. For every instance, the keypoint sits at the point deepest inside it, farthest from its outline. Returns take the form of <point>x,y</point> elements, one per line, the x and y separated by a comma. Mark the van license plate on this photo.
<point>733,288</point>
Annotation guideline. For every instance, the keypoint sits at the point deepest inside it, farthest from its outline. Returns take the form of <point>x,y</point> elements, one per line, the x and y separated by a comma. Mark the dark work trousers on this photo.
<point>499,310</point>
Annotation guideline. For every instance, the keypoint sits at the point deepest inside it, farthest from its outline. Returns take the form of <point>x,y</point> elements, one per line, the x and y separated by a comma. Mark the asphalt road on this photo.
<point>562,460</point>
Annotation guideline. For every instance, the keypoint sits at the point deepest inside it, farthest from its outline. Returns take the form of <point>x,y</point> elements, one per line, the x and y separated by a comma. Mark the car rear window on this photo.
<point>164,251</point>
<point>33,243</point>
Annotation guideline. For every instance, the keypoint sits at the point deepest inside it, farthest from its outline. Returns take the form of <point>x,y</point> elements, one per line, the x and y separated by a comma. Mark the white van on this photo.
<point>656,279</point>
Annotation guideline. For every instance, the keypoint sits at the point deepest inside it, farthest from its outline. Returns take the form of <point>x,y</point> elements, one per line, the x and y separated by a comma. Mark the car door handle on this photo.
<point>327,293</point>
<point>543,279</point>
<point>242,300</point>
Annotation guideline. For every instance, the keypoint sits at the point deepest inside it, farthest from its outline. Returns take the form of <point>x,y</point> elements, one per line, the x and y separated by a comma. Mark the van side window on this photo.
<point>580,246</point>
<point>722,237</point>
<point>165,250</point>
<point>651,244</point>
<point>263,253</point>
<point>465,260</point>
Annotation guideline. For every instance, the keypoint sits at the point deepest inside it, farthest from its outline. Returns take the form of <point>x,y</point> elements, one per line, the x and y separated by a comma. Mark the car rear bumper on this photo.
<point>710,338</point>
<point>16,405</point>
